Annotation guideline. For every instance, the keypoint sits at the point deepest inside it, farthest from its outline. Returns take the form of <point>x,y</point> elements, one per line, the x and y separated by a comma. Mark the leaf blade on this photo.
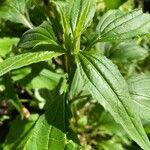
<point>22,60</point>
<point>108,87</point>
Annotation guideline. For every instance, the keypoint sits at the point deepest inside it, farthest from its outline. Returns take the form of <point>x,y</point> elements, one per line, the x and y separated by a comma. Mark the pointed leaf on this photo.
<point>116,25</point>
<point>22,60</point>
<point>15,11</point>
<point>76,15</point>
<point>109,88</point>
<point>42,34</point>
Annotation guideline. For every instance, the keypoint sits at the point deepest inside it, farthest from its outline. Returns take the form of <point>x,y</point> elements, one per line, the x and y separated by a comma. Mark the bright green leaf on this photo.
<point>22,60</point>
<point>6,45</point>
<point>15,11</point>
<point>109,88</point>
<point>113,4</point>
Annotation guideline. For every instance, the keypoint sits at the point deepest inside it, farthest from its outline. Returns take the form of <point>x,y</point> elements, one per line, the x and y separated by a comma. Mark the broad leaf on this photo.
<point>19,132</point>
<point>21,60</point>
<point>128,51</point>
<point>139,88</point>
<point>52,128</point>
<point>41,35</point>
<point>16,11</point>
<point>116,25</point>
<point>109,88</point>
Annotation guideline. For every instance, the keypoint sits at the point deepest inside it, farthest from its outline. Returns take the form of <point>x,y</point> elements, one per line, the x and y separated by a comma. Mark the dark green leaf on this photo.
<point>19,132</point>
<point>41,35</point>
<point>109,88</point>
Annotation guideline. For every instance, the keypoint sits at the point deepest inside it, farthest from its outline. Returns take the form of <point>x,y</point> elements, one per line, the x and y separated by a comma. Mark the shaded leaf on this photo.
<point>17,138</point>
<point>128,51</point>
<point>139,88</point>
<point>41,35</point>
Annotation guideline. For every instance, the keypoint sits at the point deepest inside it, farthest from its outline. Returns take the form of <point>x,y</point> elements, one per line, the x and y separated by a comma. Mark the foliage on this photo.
<point>78,78</point>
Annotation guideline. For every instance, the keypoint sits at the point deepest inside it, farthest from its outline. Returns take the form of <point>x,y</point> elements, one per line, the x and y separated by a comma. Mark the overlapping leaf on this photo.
<point>109,88</point>
<point>41,35</point>
<point>116,25</point>
<point>128,51</point>
<point>76,15</point>
<point>139,88</point>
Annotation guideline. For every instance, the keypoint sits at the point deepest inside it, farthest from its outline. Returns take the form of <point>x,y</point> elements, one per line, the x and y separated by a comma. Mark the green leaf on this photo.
<point>41,35</point>
<point>16,11</point>
<point>20,131</point>
<point>117,26</point>
<point>128,51</point>
<point>22,60</point>
<point>113,4</point>
<point>52,128</point>
<point>139,88</point>
<point>109,88</point>
<point>6,45</point>
<point>77,15</point>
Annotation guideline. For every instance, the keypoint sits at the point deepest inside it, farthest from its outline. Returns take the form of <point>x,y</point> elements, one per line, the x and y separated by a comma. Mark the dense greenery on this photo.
<point>74,74</point>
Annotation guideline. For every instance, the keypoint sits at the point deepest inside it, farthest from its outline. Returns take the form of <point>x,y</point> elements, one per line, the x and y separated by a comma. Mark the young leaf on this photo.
<point>109,88</point>
<point>25,59</point>
<point>139,88</point>
<point>128,51</point>
<point>76,15</point>
<point>116,25</point>
<point>16,11</point>
<point>42,34</point>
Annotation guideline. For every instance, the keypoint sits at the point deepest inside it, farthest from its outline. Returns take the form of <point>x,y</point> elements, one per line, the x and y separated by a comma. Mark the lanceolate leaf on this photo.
<point>25,59</point>
<point>116,25</point>
<point>139,88</point>
<point>77,15</point>
<point>109,88</point>
<point>41,35</point>
<point>16,11</point>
